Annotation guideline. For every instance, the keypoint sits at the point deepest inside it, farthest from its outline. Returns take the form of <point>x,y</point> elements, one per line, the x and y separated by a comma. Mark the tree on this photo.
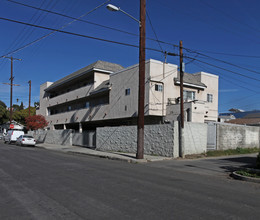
<point>16,107</point>
<point>20,116</point>
<point>21,106</point>
<point>4,115</point>
<point>2,104</point>
<point>35,122</point>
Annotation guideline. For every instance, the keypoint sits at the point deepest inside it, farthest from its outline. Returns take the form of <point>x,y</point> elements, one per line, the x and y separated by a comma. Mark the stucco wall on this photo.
<point>195,138</point>
<point>158,139</point>
<point>232,136</point>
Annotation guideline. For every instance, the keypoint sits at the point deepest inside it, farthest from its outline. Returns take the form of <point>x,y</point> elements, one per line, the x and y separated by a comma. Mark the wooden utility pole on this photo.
<point>181,87</point>
<point>141,94</point>
<point>11,87</point>
<point>30,84</point>
<point>181,126</point>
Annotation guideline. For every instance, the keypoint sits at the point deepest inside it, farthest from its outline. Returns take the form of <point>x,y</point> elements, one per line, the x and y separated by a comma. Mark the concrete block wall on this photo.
<point>231,136</point>
<point>158,139</point>
<point>59,137</point>
<point>195,138</point>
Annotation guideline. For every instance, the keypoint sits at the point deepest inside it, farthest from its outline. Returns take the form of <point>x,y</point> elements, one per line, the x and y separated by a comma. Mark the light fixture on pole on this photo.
<point>111,7</point>
<point>141,94</point>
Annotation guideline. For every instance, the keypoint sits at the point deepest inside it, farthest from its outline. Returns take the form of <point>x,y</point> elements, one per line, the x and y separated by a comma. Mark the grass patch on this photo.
<point>248,173</point>
<point>238,150</point>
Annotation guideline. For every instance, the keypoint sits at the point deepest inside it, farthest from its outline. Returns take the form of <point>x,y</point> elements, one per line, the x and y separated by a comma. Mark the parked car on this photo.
<point>26,140</point>
<point>12,136</point>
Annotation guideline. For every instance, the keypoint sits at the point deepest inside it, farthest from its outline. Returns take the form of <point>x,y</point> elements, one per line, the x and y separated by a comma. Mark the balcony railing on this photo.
<point>86,114</point>
<point>72,95</point>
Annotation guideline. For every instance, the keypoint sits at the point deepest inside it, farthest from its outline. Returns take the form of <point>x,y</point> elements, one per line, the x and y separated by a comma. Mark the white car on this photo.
<point>12,136</point>
<point>26,140</point>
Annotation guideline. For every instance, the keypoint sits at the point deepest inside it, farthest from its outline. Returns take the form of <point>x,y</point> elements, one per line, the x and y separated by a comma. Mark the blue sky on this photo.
<point>227,30</point>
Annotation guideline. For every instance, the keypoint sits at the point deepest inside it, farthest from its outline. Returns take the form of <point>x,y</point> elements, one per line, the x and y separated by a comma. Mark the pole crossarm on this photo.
<point>11,86</point>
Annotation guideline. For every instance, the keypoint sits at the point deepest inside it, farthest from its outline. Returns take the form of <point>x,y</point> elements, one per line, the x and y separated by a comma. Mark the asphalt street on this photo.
<point>41,184</point>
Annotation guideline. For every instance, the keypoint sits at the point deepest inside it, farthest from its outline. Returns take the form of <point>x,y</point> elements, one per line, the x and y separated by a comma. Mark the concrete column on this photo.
<point>64,127</point>
<point>80,127</point>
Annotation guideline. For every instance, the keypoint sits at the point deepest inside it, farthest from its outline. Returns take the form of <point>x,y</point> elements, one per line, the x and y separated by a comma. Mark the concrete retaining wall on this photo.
<point>60,137</point>
<point>162,140</point>
<point>158,139</point>
<point>65,137</point>
<point>232,136</point>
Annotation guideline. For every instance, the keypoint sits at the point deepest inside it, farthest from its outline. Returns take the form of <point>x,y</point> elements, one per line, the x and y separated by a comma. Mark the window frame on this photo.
<point>187,96</point>
<point>210,97</point>
<point>158,87</point>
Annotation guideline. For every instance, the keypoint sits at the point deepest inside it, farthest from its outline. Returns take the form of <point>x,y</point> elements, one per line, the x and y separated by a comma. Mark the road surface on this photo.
<point>40,184</point>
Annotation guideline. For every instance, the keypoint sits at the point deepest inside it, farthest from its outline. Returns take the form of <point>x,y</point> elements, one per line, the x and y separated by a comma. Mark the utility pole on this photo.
<point>11,87</point>
<point>30,84</point>
<point>181,86</point>
<point>141,94</point>
<point>181,130</point>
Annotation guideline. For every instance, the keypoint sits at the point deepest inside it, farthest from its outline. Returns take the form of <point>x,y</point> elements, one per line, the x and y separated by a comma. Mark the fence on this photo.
<point>162,140</point>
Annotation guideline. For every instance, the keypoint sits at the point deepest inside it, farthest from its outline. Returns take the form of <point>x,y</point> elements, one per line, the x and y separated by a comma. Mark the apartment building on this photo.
<point>106,94</point>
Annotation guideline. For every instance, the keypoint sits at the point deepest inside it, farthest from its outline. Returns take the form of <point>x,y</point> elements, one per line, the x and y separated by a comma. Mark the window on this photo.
<point>209,98</point>
<point>127,92</point>
<point>87,105</point>
<point>158,87</point>
<point>188,95</point>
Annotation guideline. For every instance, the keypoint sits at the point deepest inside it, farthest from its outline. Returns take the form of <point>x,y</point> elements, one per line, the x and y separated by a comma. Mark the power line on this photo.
<point>54,30</point>
<point>227,54</point>
<point>153,30</point>
<point>227,79</point>
<point>229,16</point>
<point>223,61</point>
<point>240,74</point>
<point>70,33</point>
<point>92,23</point>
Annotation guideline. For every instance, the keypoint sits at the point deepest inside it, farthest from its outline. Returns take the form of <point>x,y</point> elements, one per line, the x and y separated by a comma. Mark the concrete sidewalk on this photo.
<point>127,157</point>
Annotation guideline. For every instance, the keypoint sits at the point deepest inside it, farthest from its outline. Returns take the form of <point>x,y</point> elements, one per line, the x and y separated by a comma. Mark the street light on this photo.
<point>141,94</point>
<point>111,7</point>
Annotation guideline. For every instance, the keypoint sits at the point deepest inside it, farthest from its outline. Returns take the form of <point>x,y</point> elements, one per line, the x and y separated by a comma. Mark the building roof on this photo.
<point>191,80</point>
<point>246,114</point>
<point>245,121</point>
<point>253,115</point>
<point>99,65</point>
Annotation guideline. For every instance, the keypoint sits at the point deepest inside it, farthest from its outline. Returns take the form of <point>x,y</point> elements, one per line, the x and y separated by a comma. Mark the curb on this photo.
<point>237,176</point>
<point>106,157</point>
<point>128,160</point>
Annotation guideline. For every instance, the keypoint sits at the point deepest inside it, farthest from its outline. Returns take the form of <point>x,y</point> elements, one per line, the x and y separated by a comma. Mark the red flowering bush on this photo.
<point>35,122</point>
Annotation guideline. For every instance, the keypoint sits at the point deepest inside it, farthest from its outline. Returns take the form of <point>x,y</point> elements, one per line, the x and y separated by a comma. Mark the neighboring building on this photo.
<point>5,127</point>
<point>246,118</point>
<point>226,118</point>
<point>106,94</point>
<point>237,116</point>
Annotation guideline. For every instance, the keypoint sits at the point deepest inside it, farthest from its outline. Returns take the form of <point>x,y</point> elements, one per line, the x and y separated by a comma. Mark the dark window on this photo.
<point>158,87</point>
<point>127,92</point>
